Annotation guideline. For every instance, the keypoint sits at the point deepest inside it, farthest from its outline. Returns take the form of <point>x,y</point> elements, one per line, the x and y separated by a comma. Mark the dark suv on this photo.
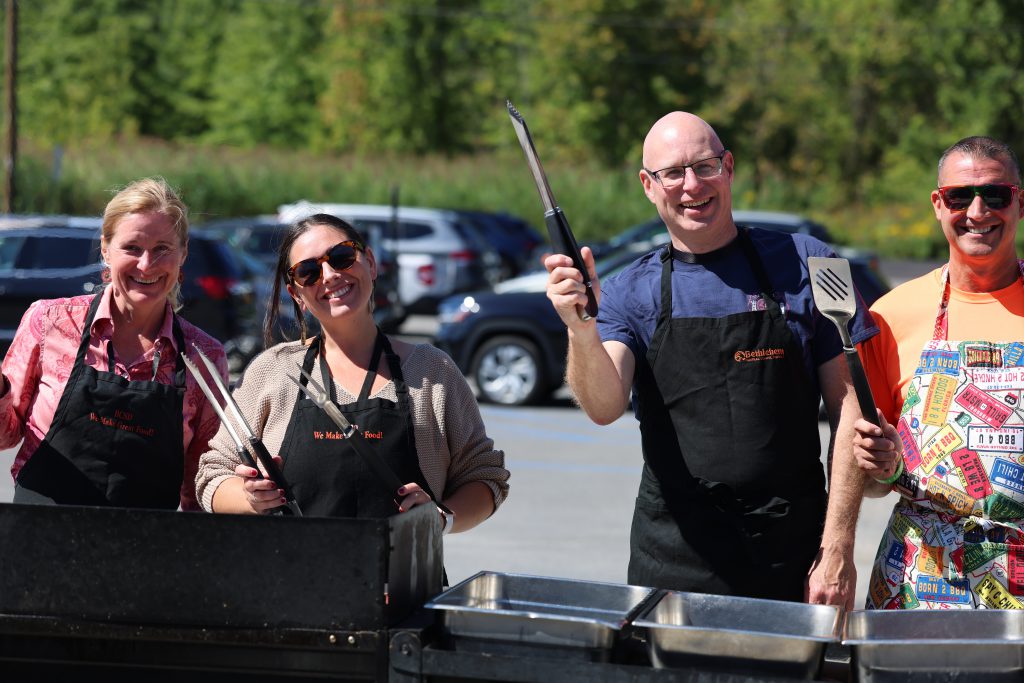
<point>48,257</point>
<point>512,344</point>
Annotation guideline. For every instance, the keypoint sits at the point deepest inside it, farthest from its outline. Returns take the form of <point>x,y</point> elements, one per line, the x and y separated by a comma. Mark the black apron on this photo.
<point>326,474</point>
<point>113,441</point>
<point>732,498</point>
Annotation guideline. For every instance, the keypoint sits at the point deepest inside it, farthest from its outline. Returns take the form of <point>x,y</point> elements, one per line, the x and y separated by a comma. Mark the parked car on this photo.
<point>437,255</point>
<point>512,344</point>
<point>46,257</point>
<point>863,264</point>
<point>515,240</point>
<point>260,237</point>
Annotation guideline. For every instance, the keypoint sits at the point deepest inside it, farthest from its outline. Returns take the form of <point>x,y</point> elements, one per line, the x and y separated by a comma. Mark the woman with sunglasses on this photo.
<point>94,386</point>
<point>411,404</point>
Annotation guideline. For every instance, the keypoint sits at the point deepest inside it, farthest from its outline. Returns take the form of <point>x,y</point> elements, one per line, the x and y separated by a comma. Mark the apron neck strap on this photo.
<point>941,330</point>
<point>749,252</point>
<point>381,346</point>
<point>83,345</point>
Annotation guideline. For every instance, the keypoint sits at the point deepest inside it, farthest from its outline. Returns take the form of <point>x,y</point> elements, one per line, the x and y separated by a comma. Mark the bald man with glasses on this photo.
<point>948,377</point>
<point>717,339</point>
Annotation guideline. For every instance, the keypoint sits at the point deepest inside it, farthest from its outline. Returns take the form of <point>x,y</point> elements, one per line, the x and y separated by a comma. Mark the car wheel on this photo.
<point>508,370</point>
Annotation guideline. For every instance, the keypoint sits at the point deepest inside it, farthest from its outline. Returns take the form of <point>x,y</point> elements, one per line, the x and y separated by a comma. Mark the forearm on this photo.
<point>845,490</point>
<point>229,497</point>
<point>876,489</point>
<point>592,375</point>
<point>472,504</point>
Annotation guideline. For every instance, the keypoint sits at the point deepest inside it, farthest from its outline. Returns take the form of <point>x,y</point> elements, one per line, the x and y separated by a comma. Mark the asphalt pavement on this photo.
<point>572,490</point>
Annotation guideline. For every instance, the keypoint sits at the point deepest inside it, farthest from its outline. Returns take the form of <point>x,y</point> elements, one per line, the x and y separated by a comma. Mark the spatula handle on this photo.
<point>861,386</point>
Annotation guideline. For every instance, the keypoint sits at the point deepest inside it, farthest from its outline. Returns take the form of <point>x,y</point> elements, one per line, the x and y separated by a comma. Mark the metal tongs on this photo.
<point>269,464</point>
<point>318,395</point>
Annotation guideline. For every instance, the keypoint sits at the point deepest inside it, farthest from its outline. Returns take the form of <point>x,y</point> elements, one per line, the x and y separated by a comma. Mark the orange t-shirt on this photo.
<point>906,321</point>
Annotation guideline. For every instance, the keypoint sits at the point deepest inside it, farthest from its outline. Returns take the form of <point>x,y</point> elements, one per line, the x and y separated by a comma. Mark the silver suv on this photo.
<point>438,253</point>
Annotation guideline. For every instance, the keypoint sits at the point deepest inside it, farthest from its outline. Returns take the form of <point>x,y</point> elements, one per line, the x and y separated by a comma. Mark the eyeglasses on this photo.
<point>995,195</point>
<point>704,169</point>
<point>341,256</point>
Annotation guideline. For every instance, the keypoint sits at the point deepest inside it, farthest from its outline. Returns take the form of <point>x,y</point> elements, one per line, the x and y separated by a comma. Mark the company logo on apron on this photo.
<point>329,435</point>
<point>122,420</point>
<point>759,354</point>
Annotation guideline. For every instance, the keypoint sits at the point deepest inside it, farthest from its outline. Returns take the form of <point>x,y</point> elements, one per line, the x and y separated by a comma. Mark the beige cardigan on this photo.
<point>451,442</point>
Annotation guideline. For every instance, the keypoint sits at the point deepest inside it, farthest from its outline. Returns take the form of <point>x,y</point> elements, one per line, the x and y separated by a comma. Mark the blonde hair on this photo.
<point>148,195</point>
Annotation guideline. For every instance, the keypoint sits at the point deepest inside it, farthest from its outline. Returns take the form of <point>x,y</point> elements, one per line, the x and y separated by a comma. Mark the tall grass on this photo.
<point>220,182</point>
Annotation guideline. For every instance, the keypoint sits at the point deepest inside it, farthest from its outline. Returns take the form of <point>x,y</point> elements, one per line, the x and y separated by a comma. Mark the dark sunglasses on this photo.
<point>341,256</point>
<point>996,195</point>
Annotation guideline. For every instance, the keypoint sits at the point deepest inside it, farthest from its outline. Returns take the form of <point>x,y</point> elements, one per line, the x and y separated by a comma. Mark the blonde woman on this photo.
<point>93,385</point>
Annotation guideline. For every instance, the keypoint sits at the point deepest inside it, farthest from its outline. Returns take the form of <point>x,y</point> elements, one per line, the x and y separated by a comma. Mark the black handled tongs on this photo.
<point>269,464</point>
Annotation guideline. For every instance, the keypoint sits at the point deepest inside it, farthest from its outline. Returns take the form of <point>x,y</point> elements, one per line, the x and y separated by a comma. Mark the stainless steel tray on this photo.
<point>538,611</point>
<point>934,645</point>
<point>743,635</point>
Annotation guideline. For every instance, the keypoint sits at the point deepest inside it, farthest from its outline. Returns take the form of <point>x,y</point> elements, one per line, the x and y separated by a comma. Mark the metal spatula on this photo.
<point>835,297</point>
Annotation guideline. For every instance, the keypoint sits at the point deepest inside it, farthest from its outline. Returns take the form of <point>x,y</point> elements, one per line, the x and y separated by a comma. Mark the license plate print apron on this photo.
<point>954,540</point>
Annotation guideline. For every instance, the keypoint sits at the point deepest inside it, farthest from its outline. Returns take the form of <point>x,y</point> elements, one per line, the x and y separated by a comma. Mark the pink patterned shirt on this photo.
<point>40,359</point>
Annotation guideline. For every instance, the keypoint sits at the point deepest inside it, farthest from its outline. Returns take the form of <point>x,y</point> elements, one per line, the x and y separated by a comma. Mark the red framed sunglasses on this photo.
<point>341,256</point>
<point>996,196</point>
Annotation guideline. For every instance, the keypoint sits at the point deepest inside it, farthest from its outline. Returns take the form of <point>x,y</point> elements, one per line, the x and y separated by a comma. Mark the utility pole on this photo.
<point>10,102</point>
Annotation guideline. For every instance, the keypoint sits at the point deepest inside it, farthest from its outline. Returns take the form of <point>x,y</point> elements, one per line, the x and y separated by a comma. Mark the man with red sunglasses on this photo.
<point>947,373</point>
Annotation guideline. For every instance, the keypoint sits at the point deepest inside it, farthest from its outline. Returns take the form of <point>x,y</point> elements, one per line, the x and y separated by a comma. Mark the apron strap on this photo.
<point>747,246</point>
<point>764,283</point>
<point>941,331</point>
<point>371,375</point>
<point>179,340</point>
<point>307,365</point>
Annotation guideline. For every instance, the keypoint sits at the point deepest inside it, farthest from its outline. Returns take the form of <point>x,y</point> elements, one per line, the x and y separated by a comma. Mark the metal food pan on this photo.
<point>936,645</point>
<point>538,611</point>
<point>745,635</point>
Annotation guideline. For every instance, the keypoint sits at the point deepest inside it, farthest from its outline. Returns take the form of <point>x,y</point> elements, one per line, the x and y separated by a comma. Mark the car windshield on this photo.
<point>37,253</point>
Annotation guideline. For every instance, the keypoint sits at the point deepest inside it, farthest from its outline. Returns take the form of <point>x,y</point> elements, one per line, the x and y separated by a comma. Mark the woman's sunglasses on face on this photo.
<point>341,256</point>
<point>997,196</point>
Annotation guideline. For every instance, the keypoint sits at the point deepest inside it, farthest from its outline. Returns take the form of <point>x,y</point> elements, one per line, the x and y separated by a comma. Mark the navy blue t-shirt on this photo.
<point>721,283</point>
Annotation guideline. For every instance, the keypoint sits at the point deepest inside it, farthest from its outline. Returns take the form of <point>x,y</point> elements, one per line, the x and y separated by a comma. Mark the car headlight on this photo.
<point>453,311</point>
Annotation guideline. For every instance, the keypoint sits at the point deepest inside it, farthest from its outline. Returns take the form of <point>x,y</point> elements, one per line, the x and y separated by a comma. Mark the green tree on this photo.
<point>602,71</point>
<point>265,80</point>
<point>413,76</point>
<point>176,88</point>
<point>79,68</point>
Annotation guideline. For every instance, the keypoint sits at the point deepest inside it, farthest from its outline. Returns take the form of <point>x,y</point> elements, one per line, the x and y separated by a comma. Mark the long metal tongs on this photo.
<point>318,395</point>
<point>269,464</point>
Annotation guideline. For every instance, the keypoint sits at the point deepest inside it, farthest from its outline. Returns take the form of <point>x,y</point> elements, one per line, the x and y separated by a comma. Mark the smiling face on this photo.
<point>145,255</point>
<point>339,293</point>
<point>697,212</point>
<point>979,236</point>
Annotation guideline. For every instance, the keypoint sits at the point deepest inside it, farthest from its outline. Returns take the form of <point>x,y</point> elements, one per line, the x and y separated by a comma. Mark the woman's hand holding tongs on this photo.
<point>411,496</point>
<point>262,495</point>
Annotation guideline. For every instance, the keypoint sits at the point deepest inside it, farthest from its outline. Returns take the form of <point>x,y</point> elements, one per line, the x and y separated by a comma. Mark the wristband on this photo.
<point>449,518</point>
<point>892,480</point>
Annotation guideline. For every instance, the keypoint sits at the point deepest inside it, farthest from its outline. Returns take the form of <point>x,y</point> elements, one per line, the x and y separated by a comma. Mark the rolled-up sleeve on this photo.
<point>21,370</point>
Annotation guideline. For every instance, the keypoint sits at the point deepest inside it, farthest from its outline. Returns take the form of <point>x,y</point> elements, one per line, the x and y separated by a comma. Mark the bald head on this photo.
<point>676,130</point>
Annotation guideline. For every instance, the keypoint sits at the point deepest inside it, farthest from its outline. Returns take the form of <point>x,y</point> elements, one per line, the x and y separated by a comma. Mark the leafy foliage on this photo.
<point>836,109</point>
